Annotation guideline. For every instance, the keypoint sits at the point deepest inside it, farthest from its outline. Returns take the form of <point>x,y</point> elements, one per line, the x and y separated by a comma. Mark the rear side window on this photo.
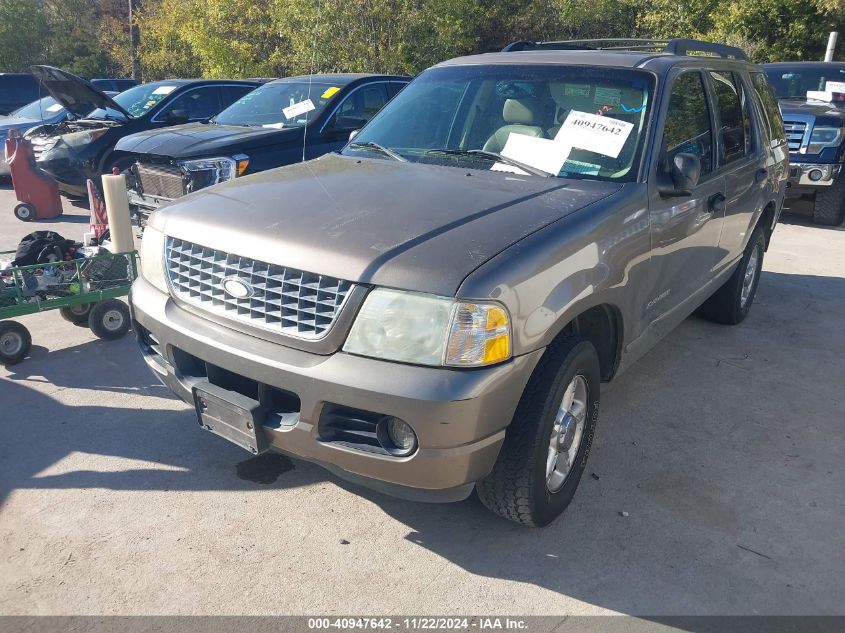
<point>196,104</point>
<point>688,129</point>
<point>772,119</point>
<point>734,121</point>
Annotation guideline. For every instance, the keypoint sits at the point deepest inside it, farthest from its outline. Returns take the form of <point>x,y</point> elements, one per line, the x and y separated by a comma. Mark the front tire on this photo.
<point>548,442</point>
<point>109,319</point>
<point>731,303</point>
<point>829,207</point>
<point>15,342</point>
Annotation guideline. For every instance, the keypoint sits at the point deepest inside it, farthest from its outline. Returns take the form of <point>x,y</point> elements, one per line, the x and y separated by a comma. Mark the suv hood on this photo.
<point>77,95</point>
<point>825,113</point>
<point>200,139</point>
<point>373,221</point>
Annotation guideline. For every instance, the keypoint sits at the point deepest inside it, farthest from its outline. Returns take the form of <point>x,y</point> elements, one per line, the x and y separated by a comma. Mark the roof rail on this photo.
<point>677,46</point>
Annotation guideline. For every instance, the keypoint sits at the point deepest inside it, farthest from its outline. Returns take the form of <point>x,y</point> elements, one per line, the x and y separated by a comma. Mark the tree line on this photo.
<point>277,38</point>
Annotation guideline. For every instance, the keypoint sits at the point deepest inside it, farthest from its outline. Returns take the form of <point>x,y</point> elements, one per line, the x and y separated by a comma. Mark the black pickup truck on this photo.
<point>812,101</point>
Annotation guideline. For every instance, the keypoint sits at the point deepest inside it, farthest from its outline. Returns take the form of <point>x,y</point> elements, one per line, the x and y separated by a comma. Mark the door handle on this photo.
<point>761,175</point>
<point>717,203</point>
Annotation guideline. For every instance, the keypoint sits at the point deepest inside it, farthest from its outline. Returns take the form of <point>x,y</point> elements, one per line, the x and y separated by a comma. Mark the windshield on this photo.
<point>795,82</point>
<point>136,101</point>
<point>567,121</point>
<point>45,108</point>
<point>279,104</point>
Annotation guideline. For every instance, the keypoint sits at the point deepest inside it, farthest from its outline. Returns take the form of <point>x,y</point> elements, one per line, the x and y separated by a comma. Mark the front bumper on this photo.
<point>146,204</point>
<point>69,171</point>
<point>460,416</point>
<point>813,175</point>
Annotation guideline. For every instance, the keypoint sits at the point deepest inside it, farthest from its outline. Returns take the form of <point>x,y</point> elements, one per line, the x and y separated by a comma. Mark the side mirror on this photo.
<point>176,117</point>
<point>682,178</point>
<point>353,134</point>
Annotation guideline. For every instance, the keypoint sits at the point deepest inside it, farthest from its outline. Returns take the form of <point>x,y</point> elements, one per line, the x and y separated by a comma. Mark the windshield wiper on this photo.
<point>379,148</point>
<point>493,156</point>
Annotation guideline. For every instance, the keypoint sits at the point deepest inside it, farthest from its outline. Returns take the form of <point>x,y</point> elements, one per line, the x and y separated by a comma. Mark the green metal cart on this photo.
<point>84,290</point>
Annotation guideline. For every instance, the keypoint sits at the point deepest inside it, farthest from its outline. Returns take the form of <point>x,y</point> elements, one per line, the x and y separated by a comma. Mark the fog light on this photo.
<point>401,439</point>
<point>815,175</point>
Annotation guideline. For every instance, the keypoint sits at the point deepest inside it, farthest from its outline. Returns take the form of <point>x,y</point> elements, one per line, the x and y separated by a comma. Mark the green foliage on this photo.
<point>271,38</point>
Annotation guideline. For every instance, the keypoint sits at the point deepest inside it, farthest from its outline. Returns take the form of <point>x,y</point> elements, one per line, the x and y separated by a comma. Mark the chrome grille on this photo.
<point>285,300</point>
<point>795,131</point>
<point>160,181</point>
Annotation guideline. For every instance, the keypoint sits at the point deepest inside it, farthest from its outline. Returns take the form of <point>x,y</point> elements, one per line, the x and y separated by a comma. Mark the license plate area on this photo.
<point>232,416</point>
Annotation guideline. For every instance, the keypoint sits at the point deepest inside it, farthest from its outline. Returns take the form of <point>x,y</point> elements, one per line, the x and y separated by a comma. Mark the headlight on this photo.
<point>77,139</point>
<point>152,258</point>
<point>824,137</point>
<point>428,330</point>
<point>220,169</point>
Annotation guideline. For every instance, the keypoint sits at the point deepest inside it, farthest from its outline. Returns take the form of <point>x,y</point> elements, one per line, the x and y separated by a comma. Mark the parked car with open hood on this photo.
<point>812,101</point>
<point>74,151</point>
<point>264,129</point>
<point>44,111</point>
<point>433,309</point>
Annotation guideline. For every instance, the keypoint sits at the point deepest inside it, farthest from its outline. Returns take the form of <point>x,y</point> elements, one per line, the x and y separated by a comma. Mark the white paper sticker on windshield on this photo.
<point>275,126</point>
<point>835,86</point>
<point>299,108</point>
<point>509,169</point>
<point>55,107</point>
<point>607,96</point>
<point>537,152</point>
<point>164,90</point>
<point>600,134</point>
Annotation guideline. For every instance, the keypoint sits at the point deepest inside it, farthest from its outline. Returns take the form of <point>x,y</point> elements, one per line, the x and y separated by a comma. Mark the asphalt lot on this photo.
<point>723,445</point>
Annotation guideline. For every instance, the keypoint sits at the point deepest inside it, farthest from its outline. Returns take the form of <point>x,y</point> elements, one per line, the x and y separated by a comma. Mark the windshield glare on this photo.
<point>45,108</point>
<point>796,82</point>
<point>136,101</point>
<point>279,104</point>
<point>567,121</point>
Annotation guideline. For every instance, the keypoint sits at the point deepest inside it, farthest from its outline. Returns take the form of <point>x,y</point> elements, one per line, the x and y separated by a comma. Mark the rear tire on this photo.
<point>15,342</point>
<point>25,212</point>
<point>529,484</point>
<point>109,319</point>
<point>76,314</point>
<point>731,303</point>
<point>829,208</point>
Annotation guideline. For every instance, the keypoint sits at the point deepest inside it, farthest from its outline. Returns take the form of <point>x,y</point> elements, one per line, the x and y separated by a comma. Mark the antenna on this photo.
<point>311,75</point>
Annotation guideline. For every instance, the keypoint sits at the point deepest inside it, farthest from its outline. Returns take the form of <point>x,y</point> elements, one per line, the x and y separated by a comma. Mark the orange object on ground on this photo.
<point>37,193</point>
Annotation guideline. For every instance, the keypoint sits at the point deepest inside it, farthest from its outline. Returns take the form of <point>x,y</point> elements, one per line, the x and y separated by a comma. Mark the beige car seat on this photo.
<point>521,117</point>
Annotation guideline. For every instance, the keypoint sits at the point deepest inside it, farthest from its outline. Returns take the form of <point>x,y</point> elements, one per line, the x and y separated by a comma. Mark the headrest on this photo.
<point>520,111</point>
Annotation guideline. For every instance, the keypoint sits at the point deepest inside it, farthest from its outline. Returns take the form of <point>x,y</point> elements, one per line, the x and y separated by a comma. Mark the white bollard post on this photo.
<point>117,210</point>
<point>831,46</point>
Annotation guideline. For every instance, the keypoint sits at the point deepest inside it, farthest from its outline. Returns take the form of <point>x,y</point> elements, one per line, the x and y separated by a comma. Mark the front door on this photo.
<point>685,230</point>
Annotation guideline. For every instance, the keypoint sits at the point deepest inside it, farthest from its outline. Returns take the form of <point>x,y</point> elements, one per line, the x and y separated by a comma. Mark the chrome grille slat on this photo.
<point>795,131</point>
<point>286,301</point>
<point>162,181</point>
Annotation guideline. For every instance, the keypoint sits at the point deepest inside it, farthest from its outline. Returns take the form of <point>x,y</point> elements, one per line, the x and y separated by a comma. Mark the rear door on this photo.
<point>685,230</point>
<point>740,157</point>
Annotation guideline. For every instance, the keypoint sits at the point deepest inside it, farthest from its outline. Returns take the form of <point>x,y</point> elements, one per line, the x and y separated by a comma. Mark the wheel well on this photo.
<point>767,222</point>
<point>602,326</point>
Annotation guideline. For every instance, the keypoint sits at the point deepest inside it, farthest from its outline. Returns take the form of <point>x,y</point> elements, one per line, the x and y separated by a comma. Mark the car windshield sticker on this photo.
<point>328,94</point>
<point>576,90</point>
<point>632,109</point>
<point>296,109</point>
<point>164,90</point>
<point>55,107</point>
<point>835,86</point>
<point>511,169</point>
<point>607,96</point>
<point>600,134</point>
<point>537,152</point>
<point>577,167</point>
<point>276,126</point>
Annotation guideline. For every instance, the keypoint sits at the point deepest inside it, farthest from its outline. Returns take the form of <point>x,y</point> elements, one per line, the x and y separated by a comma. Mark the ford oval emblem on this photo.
<point>237,288</point>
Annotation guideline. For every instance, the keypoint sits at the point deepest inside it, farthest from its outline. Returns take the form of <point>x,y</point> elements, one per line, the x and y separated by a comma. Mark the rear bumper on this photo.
<point>459,416</point>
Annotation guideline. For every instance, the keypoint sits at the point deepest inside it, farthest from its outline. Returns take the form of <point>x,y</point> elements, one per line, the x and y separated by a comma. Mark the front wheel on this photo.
<point>548,442</point>
<point>15,342</point>
<point>829,207</point>
<point>109,319</point>
<point>731,303</point>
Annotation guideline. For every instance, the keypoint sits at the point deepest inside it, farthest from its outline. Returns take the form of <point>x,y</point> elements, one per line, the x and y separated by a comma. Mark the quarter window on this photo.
<point>733,117</point>
<point>688,128</point>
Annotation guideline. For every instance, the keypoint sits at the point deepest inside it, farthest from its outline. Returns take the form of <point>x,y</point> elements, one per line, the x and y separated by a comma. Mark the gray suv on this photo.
<point>433,309</point>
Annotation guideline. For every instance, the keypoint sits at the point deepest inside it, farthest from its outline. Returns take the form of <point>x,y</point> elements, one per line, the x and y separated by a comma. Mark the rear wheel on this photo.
<point>548,442</point>
<point>109,319</point>
<point>15,342</point>
<point>24,212</point>
<point>731,303</point>
<point>76,314</point>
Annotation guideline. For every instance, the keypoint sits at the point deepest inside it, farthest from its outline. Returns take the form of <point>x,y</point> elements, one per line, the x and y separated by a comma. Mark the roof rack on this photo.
<point>676,46</point>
